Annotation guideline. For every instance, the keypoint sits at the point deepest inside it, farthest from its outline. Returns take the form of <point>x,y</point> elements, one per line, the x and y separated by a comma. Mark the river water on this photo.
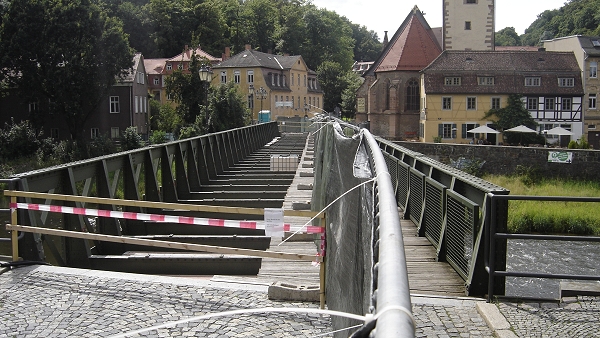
<point>558,257</point>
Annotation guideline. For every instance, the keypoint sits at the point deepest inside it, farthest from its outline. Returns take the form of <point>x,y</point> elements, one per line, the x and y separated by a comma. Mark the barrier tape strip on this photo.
<point>159,218</point>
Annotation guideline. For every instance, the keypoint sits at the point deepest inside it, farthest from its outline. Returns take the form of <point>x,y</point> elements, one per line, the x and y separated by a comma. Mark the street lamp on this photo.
<point>261,94</point>
<point>205,74</point>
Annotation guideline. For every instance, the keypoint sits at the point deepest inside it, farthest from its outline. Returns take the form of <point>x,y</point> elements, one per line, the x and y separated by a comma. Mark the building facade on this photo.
<point>160,69</point>
<point>460,86</point>
<point>469,24</point>
<point>126,105</point>
<point>389,96</point>
<point>280,84</point>
<point>587,52</point>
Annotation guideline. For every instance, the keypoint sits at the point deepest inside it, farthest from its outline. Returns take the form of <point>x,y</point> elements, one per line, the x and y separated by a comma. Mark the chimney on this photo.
<point>248,47</point>
<point>227,54</point>
<point>286,54</point>
<point>269,51</point>
<point>385,39</point>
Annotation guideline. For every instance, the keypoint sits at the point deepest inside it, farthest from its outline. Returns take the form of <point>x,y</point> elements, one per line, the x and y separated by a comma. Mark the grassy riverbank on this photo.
<point>551,217</point>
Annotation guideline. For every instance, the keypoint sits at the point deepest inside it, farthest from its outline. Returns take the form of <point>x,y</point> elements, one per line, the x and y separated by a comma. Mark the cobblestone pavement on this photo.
<point>48,301</point>
<point>42,303</point>
<point>573,317</point>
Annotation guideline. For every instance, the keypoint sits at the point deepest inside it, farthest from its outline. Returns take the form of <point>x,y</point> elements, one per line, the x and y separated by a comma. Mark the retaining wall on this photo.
<point>505,159</point>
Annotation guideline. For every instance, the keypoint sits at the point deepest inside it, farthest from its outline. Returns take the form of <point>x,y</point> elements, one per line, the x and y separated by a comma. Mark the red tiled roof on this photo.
<point>187,54</point>
<point>413,49</point>
<point>154,66</point>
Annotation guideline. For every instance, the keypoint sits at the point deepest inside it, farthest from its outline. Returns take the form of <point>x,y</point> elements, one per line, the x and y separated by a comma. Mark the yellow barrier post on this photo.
<point>14,233</point>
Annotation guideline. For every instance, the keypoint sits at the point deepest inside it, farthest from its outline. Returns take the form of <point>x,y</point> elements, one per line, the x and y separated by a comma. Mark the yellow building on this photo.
<point>280,84</point>
<point>459,87</point>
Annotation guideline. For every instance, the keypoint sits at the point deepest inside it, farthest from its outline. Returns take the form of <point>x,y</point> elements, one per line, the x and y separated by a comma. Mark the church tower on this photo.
<point>468,24</point>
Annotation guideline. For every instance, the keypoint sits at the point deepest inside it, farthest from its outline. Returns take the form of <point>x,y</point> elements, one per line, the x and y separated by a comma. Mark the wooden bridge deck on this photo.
<point>426,275</point>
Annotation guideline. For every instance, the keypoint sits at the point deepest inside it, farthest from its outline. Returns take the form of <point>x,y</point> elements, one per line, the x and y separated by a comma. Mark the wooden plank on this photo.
<point>157,205</point>
<point>162,244</point>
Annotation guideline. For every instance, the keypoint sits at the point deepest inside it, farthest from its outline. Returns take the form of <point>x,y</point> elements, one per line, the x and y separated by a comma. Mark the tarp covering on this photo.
<point>340,164</point>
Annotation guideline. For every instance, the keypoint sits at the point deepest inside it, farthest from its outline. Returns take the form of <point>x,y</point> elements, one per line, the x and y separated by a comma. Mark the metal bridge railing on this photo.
<point>494,236</point>
<point>390,294</point>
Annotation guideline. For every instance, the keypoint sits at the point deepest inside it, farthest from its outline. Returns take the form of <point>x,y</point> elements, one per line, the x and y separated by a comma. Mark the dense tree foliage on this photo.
<point>67,54</point>
<point>576,17</point>
<point>514,114</point>
<point>187,90</point>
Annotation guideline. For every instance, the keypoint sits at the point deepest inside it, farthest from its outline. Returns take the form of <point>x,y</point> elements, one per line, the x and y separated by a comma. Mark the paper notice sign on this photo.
<point>274,222</point>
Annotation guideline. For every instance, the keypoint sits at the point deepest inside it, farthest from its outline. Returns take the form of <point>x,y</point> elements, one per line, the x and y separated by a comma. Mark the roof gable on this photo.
<point>252,59</point>
<point>413,46</point>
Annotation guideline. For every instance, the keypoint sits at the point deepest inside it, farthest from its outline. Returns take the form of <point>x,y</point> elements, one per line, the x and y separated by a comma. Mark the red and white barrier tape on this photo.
<point>159,218</point>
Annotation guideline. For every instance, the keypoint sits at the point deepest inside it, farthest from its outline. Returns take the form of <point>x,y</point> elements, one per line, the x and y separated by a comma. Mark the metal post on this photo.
<point>14,233</point>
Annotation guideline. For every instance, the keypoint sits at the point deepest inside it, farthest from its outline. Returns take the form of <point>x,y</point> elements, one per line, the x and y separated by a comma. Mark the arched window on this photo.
<point>412,95</point>
<point>387,94</point>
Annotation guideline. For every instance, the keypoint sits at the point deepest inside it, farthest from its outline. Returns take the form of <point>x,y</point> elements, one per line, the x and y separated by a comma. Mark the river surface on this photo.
<point>558,257</point>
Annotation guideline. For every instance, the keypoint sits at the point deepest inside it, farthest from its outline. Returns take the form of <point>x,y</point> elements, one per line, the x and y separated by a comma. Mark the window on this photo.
<point>114,104</point>
<point>304,80</point>
<point>471,103</point>
<point>272,76</point>
<point>446,103</point>
<point>94,132</point>
<point>412,95</point>
<point>169,66</point>
<point>156,81</point>
<point>447,130</point>
<point>467,25</point>
<point>532,103</point>
<point>250,76</point>
<point>532,81</point>
<point>469,126</point>
<point>594,69</point>
<point>114,132</point>
<point>566,104</point>
<point>292,76</point>
<point>145,104</point>
<point>141,78</point>
<point>549,104</point>
<point>452,81</point>
<point>592,101</point>
<point>592,126</point>
<point>33,106</point>
<point>470,1</point>
<point>283,80</point>
<point>292,100</point>
<point>298,79</point>
<point>180,66</point>
<point>566,82</point>
<point>495,103</point>
<point>224,77</point>
<point>236,76</point>
<point>486,80</point>
<point>135,100</point>
<point>54,133</point>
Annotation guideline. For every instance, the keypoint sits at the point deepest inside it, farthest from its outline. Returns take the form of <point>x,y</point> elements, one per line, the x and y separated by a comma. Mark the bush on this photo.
<point>101,145</point>
<point>131,139</point>
<point>18,139</point>
<point>157,137</point>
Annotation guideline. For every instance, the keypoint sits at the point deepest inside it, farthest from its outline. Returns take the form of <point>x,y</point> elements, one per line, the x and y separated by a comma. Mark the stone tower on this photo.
<point>468,24</point>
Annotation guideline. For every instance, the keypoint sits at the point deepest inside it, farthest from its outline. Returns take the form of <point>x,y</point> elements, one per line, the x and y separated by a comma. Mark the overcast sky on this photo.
<point>387,15</point>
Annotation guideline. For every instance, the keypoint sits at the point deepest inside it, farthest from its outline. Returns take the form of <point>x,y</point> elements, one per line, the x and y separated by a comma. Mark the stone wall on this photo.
<point>504,159</point>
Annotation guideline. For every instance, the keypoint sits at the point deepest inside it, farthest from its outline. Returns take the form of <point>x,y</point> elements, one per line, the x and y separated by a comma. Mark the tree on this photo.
<point>331,78</point>
<point>366,46</point>
<point>512,115</point>
<point>187,90</point>
<point>227,109</point>
<point>353,81</point>
<point>507,37</point>
<point>68,53</point>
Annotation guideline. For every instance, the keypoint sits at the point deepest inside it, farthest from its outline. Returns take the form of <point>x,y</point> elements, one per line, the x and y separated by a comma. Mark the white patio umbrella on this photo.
<point>558,131</point>
<point>483,130</point>
<point>521,129</point>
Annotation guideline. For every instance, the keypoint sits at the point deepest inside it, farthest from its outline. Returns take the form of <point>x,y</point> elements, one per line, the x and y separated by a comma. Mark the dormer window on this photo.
<point>452,81</point>
<point>532,81</point>
<point>596,43</point>
<point>485,80</point>
<point>180,66</point>
<point>169,66</point>
<point>566,82</point>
